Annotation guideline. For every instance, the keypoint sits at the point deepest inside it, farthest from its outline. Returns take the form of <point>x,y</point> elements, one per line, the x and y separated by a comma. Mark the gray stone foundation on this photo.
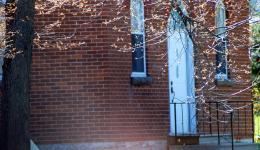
<point>140,145</point>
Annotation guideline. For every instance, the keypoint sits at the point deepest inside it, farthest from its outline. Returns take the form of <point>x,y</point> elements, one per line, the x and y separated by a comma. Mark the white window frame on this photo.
<point>2,50</point>
<point>220,22</point>
<point>138,30</point>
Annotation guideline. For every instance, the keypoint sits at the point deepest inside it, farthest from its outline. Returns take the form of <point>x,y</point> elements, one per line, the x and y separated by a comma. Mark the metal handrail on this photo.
<point>235,111</point>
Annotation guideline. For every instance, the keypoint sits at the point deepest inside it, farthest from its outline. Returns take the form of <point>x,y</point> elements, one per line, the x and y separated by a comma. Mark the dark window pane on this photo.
<point>221,58</point>
<point>137,53</point>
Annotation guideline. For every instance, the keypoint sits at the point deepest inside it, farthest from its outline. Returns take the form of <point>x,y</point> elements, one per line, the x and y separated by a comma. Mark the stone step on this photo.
<point>213,139</point>
<point>215,147</point>
<point>33,146</point>
<point>210,142</point>
<point>224,139</point>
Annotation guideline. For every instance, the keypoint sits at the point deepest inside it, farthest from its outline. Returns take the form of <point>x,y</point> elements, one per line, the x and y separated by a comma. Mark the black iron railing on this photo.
<point>180,119</point>
<point>230,121</point>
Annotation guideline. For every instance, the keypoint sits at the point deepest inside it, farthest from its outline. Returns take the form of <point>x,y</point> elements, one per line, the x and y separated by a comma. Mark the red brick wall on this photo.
<point>84,94</point>
<point>239,71</point>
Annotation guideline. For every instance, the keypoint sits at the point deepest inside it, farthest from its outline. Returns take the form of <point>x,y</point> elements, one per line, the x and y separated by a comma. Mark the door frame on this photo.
<point>192,125</point>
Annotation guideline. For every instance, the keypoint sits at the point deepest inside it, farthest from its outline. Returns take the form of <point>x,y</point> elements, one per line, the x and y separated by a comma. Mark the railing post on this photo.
<point>197,119</point>
<point>182,123</point>
<point>245,115</point>
<point>190,121</point>
<point>175,119</point>
<point>210,123</point>
<point>232,132</point>
<point>238,122</point>
<point>203,116</point>
<point>218,123</point>
<point>253,119</point>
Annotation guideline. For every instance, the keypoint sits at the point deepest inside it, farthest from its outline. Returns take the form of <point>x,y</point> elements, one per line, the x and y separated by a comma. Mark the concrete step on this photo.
<point>237,146</point>
<point>210,142</point>
<point>213,139</point>
<point>33,146</point>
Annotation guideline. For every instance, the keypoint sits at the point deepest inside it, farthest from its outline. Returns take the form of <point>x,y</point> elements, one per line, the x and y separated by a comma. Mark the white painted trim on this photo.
<point>191,128</point>
<point>140,30</point>
<point>220,6</point>
<point>138,74</point>
<point>221,77</point>
<point>220,26</point>
<point>144,46</point>
<point>144,73</point>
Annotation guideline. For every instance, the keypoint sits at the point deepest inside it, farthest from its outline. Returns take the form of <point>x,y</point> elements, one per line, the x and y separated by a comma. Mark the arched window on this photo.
<point>221,39</point>
<point>2,34</point>
<point>138,39</point>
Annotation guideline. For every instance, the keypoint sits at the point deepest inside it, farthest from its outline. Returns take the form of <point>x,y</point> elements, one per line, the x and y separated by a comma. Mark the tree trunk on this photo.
<point>16,71</point>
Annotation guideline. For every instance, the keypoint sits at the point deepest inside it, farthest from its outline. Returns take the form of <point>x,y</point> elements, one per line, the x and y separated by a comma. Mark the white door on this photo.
<point>181,82</point>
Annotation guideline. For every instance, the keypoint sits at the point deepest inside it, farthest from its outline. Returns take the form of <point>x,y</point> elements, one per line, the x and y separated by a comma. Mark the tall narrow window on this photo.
<point>138,39</point>
<point>2,35</point>
<point>221,38</point>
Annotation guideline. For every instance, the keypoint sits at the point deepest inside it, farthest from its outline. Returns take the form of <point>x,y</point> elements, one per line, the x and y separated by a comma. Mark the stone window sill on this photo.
<point>225,82</point>
<point>138,81</point>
